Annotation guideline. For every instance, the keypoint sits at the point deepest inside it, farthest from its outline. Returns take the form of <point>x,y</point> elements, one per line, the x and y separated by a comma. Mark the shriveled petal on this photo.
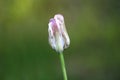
<point>51,36</point>
<point>61,24</point>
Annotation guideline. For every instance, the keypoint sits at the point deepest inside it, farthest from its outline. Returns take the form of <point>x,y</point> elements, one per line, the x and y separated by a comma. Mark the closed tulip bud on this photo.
<point>58,36</point>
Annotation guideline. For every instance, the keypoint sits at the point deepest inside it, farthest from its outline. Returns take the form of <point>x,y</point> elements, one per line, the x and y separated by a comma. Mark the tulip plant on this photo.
<point>58,38</point>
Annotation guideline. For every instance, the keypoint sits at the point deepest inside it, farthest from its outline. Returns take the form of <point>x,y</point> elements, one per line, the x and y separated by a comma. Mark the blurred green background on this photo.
<point>93,27</point>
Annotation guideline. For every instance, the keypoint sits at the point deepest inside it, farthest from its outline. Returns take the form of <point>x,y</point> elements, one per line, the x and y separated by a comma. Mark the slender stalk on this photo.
<point>63,66</point>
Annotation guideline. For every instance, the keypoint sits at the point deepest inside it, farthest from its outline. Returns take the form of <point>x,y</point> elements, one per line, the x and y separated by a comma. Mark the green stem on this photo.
<point>63,66</point>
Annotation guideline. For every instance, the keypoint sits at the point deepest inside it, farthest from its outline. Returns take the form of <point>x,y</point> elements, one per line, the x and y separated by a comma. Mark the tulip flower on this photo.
<point>58,38</point>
